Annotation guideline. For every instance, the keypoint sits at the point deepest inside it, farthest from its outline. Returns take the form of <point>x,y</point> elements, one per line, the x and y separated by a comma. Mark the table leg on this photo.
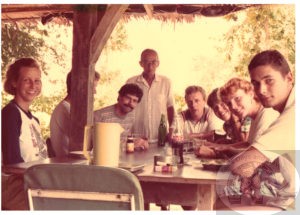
<point>170,193</point>
<point>206,196</point>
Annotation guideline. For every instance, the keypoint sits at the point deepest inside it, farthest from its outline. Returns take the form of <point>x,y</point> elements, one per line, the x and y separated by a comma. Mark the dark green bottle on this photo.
<point>162,131</point>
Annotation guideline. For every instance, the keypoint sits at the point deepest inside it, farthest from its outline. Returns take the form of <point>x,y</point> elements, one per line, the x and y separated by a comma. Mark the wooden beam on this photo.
<point>149,10</point>
<point>104,29</point>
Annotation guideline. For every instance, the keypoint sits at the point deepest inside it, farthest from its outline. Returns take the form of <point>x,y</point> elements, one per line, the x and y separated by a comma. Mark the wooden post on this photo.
<point>92,26</point>
<point>82,98</point>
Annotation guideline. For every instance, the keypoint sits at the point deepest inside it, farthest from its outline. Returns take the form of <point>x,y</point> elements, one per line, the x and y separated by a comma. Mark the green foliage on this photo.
<point>118,39</point>
<point>5,99</point>
<point>29,39</point>
<point>17,42</point>
<point>264,27</point>
<point>46,104</point>
<point>180,102</point>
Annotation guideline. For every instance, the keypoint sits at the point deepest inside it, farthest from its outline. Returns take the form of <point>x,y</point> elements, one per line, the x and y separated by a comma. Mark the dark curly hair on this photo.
<point>132,89</point>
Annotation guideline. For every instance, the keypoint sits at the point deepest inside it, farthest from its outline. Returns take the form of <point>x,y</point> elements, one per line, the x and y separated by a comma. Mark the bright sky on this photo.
<point>187,51</point>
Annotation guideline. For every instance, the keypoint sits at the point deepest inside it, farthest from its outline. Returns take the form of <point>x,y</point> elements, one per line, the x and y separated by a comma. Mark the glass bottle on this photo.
<point>129,144</point>
<point>162,131</point>
<point>177,139</point>
<point>177,134</point>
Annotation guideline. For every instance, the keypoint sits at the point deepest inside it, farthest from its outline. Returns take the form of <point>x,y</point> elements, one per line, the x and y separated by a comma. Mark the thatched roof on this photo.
<point>163,12</point>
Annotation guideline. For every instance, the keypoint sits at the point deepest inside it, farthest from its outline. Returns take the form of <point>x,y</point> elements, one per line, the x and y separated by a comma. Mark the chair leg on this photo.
<point>164,207</point>
<point>146,206</point>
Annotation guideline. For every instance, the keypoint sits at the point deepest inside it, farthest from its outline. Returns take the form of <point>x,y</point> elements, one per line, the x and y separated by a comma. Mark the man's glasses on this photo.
<point>153,62</point>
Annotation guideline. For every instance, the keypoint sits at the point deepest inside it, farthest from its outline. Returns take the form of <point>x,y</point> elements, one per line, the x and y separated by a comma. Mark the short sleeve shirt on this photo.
<point>155,101</point>
<point>208,122</point>
<point>108,114</point>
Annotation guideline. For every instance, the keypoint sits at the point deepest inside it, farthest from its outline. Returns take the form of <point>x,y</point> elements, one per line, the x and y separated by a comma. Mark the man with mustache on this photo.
<point>122,112</point>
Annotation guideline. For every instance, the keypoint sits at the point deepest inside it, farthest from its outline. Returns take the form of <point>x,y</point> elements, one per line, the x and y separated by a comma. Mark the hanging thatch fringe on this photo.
<point>61,14</point>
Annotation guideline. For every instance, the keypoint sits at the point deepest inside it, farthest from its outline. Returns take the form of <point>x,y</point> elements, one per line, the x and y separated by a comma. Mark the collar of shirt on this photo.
<point>28,114</point>
<point>291,99</point>
<point>141,79</point>
<point>187,116</point>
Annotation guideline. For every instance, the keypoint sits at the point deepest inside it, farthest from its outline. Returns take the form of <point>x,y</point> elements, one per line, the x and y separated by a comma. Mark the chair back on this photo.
<point>82,187</point>
<point>50,150</point>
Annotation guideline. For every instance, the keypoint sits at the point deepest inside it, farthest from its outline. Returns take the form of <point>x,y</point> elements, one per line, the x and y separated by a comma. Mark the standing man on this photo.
<point>273,83</point>
<point>122,112</point>
<point>157,99</point>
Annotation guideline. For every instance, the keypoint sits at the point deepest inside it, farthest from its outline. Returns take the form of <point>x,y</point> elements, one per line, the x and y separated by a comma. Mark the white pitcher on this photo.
<point>106,143</point>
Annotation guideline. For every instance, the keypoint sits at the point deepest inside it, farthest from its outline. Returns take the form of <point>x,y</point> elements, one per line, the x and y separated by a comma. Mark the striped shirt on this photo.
<point>108,114</point>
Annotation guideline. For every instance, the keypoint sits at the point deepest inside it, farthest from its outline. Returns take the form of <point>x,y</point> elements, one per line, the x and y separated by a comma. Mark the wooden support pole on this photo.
<point>84,25</point>
<point>92,26</point>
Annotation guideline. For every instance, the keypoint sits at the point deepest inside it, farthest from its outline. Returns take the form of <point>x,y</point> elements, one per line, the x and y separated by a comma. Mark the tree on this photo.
<point>264,27</point>
<point>47,44</point>
<point>16,42</point>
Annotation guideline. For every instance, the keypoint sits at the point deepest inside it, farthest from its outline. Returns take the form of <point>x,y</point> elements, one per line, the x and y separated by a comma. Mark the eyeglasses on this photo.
<point>153,62</point>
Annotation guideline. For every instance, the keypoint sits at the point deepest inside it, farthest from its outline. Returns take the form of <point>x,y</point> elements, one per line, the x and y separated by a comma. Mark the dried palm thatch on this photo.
<point>63,13</point>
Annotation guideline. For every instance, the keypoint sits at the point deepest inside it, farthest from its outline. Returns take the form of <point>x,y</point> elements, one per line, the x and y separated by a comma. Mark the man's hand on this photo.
<point>140,143</point>
<point>205,152</point>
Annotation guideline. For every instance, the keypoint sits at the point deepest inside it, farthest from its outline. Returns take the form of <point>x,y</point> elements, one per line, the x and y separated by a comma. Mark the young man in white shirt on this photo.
<point>273,83</point>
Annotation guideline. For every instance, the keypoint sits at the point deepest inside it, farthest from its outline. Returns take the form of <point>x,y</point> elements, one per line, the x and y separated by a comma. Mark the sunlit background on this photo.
<point>190,54</point>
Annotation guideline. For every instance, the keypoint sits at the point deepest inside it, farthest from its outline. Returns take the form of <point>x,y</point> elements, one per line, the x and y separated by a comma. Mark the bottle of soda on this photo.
<point>162,131</point>
<point>177,139</point>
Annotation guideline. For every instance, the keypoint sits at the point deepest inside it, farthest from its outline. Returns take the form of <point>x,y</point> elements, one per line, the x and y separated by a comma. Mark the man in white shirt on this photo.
<point>273,83</point>
<point>199,119</point>
<point>157,97</point>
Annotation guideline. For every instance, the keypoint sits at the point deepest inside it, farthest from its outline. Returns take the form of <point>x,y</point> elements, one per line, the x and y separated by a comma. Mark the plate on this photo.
<point>131,167</point>
<point>215,164</point>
